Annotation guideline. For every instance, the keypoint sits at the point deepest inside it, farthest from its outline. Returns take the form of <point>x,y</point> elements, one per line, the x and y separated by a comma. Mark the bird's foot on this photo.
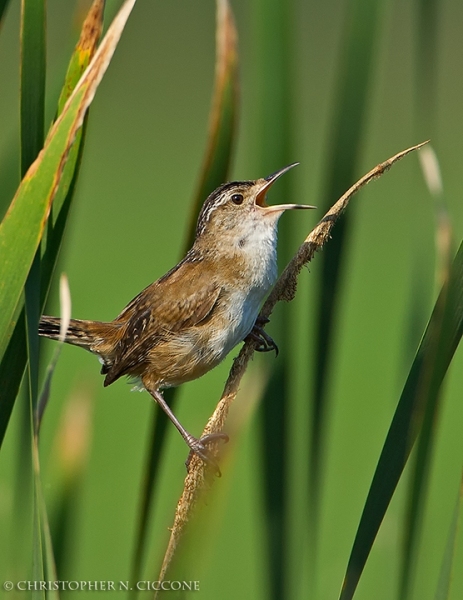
<point>199,447</point>
<point>264,342</point>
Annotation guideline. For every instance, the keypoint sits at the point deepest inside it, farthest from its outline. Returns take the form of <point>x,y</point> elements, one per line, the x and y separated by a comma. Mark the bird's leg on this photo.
<point>196,445</point>
<point>259,335</point>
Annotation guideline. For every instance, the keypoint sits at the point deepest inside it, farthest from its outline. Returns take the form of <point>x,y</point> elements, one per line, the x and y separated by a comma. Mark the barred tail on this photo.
<point>80,333</point>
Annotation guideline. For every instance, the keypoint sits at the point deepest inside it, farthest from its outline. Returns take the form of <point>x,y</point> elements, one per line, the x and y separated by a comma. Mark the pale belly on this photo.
<point>197,351</point>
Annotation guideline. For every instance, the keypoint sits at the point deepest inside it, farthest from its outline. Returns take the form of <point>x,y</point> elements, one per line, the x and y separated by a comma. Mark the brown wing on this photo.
<point>181,299</point>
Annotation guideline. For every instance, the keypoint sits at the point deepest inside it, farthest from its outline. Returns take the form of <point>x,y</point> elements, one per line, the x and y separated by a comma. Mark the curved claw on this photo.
<point>198,447</point>
<point>265,342</point>
<point>262,321</point>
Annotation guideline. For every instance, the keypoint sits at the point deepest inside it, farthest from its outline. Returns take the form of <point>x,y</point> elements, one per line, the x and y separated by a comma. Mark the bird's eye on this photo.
<point>237,198</point>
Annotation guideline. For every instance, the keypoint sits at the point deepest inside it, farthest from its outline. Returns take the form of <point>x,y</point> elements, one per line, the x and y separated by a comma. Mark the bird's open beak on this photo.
<point>267,184</point>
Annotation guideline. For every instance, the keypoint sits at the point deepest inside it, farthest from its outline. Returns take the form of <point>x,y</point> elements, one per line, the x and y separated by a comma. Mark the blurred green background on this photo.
<point>145,142</point>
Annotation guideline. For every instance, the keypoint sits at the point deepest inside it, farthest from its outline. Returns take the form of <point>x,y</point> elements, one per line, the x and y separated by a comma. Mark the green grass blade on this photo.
<point>223,115</point>
<point>417,491</point>
<point>43,546</point>
<point>32,311</point>
<point>83,52</point>
<point>43,559</point>
<point>426,23</point>
<point>3,6</point>
<point>31,205</point>
<point>273,407</point>
<point>427,27</point>
<point>55,231</point>
<point>80,59</point>
<point>214,171</point>
<point>64,191</point>
<point>11,372</point>
<point>448,560</point>
<point>38,572</point>
<point>352,94</point>
<point>50,565</point>
<point>273,27</point>
<point>32,102</point>
<point>9,174</point>
<point>417,495</point>
<point>65,317</point>
<point>422,387</point>
<point>23,225</point>
<point>32,81</point>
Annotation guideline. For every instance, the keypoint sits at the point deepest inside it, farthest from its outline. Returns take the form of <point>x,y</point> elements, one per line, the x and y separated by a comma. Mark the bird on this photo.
<point>185,323</point>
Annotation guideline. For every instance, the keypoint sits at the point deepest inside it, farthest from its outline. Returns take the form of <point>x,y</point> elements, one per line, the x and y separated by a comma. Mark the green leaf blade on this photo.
<point>18,243</point>
<point>24,223</point>
<point>352,96</point>
<point>423,384</point>
<point>33,58</point>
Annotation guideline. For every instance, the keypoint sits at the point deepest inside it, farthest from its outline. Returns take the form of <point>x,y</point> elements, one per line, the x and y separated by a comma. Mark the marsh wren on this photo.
<point>186,322</point>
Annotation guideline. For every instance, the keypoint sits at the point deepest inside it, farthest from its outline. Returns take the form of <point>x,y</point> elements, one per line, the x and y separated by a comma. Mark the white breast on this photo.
<point>246,297</point>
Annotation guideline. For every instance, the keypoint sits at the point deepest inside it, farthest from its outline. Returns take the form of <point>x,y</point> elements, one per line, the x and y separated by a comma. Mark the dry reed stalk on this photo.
<point>200,477</point>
